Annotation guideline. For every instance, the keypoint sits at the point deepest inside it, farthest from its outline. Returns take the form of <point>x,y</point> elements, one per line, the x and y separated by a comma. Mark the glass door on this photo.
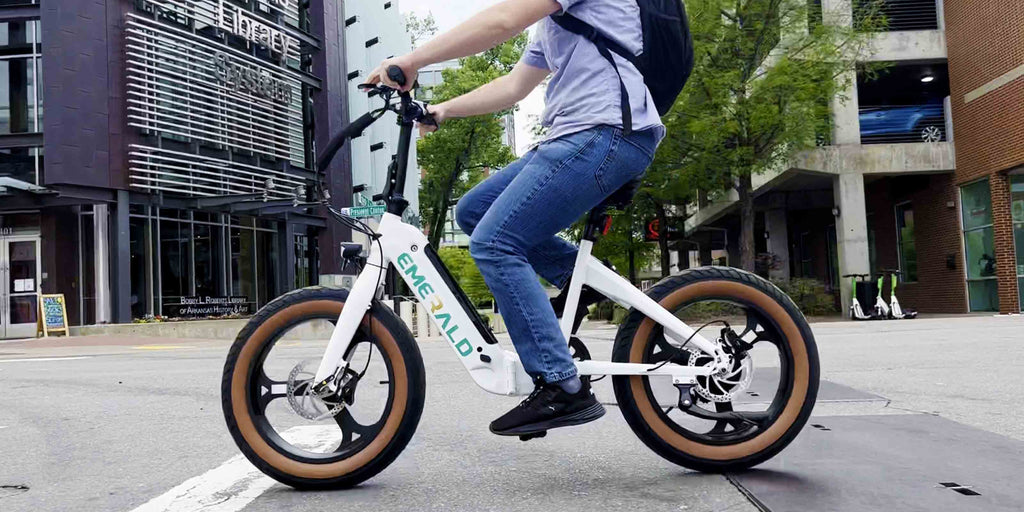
<point>19,287</point>
<point>1017,210</point>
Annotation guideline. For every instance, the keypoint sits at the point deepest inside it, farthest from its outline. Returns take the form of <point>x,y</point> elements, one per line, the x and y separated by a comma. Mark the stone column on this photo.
<point>1006,254</point>
<point>851,232</point>
<point>775,225</point>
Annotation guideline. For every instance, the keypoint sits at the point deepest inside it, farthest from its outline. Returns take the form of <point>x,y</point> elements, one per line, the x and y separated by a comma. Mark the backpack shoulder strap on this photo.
<point>584,29</point>
<point>605,46</point>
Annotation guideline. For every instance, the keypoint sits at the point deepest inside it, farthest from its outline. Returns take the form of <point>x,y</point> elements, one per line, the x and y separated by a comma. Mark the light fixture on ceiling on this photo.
<point>927,79</point>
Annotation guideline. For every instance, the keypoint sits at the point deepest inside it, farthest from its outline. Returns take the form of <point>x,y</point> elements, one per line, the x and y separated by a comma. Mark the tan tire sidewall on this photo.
<point>801,372</point>
<point>247,427</point>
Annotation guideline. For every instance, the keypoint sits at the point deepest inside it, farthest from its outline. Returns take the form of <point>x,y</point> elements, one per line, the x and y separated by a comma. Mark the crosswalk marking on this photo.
<point>41,359</point>
<point>236,483</point>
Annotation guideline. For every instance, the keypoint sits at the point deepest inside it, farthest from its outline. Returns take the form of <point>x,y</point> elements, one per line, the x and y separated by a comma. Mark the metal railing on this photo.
<point>901,14</point>
<point>894,124</point>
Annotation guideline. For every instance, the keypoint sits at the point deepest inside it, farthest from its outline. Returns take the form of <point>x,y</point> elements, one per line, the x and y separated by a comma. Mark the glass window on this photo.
<point>1017,210</point>
<point>243,264</point>
<point>139,244</point>
<point>206,260</point>
<point>20,164</point>
<point>907,247</point>
<point>979,246</point>
<point>19,77</point>
<point>266,249</point>
<point>175,274</point>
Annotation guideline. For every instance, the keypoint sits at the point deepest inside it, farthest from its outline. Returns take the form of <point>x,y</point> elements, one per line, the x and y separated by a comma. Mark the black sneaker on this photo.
<point>549,406</point>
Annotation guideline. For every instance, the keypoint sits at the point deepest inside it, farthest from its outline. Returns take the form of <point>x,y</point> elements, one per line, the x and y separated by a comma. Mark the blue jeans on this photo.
<point>514,217</point>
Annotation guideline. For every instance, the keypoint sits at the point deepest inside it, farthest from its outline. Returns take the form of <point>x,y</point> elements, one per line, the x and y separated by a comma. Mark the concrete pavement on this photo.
<point>123,420</point>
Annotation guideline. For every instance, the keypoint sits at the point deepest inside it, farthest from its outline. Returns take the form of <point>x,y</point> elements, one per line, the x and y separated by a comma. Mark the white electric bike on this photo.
<point>315,415</point>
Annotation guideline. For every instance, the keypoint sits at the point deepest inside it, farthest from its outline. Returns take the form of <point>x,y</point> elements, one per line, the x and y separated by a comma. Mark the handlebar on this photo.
<point>409,112</point>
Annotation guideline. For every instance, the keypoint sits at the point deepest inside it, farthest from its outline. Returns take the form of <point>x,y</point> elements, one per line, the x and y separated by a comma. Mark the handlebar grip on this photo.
<point>396,74</point>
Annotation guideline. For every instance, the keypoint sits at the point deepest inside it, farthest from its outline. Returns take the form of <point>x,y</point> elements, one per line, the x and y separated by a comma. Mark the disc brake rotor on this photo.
<point>723,386</point>
<point>305,401</point>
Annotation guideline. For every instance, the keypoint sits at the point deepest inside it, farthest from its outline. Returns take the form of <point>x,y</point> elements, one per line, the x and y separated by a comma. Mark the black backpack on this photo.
<point>667,58</point>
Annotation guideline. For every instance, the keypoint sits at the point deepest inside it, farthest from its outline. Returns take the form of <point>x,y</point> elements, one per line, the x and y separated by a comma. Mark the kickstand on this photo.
<point>685,395</point>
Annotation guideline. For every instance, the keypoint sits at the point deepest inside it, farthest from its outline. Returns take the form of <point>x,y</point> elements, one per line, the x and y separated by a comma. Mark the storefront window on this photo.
<point>979,247</point>
<point>266,250</point>
<point>243,261</point>
<point>175,271</point>
<point>907,245</point>
<point>139,245</point>
<point>1017,210</point>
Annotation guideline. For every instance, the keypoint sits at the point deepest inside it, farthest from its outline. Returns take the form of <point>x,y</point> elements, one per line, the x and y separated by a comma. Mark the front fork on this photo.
<point>360,298</point>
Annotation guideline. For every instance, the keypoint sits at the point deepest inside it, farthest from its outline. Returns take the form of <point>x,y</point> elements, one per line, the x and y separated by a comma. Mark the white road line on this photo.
<point>236,483</point>
<point>43,359</point>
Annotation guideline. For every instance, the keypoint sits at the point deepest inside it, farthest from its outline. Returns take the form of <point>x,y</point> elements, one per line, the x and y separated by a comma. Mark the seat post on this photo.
<point>598,223</point>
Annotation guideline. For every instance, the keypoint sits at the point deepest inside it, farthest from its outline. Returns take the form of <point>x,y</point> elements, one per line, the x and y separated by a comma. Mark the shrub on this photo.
<point>810,296</point>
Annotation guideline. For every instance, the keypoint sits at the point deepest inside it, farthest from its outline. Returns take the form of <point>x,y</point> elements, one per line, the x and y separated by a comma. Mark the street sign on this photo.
<point>367,211</point>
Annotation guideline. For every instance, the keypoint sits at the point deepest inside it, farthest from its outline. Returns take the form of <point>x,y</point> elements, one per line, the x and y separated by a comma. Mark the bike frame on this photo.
<point>493,368</point>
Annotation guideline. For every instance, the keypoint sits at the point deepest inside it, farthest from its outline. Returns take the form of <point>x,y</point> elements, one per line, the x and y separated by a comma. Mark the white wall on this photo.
<point>373,20</point>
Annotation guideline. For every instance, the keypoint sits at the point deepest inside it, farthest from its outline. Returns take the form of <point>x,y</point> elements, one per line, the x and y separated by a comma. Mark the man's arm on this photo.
<point>500,94</point>
<point>483,31</point>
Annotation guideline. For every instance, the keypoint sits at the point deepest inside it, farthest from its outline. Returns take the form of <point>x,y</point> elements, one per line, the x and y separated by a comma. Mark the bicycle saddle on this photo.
<point>621,198</point>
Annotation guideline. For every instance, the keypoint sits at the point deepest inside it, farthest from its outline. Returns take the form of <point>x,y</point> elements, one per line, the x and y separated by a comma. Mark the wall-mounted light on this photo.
<point>927,79</point>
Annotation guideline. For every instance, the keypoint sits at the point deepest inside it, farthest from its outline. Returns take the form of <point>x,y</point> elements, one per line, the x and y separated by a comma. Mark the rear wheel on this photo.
<point>310,439</point>
<point>742,416</point>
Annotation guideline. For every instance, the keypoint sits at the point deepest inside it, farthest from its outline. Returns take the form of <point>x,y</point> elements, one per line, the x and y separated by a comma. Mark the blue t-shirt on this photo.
<point>584,90</point>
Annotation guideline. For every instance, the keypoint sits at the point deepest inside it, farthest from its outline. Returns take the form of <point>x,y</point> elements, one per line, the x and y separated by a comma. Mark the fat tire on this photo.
<point>414,374</point>
<point>627,401</point>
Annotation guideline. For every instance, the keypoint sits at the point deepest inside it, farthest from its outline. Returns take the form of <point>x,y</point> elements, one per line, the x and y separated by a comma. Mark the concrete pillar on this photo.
<point>777,229</point>
<point>845,112</point>
<point>121,267</point>
<point>851,232</point>
<point>101,259</point>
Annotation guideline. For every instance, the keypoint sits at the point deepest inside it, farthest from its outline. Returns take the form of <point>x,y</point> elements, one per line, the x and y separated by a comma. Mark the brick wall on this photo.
<point>938,289</point>
<point>1002,227</point>
<point>985,40</point>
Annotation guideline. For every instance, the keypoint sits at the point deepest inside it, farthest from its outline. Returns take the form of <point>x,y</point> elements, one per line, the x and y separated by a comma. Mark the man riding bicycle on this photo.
<point>603,129</point>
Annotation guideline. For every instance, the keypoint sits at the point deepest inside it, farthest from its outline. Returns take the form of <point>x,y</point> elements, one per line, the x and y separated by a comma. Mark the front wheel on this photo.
<point>319,440</point>
<point>740,417</point>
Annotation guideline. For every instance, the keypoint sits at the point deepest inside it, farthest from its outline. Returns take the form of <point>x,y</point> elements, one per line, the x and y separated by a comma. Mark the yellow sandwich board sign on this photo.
<point>53,314</point>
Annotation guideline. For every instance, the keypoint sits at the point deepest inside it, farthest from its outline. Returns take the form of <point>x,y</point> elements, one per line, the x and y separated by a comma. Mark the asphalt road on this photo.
<point>105,423</point>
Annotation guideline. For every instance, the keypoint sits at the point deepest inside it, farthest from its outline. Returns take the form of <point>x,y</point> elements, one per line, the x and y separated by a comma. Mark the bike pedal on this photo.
<point>536,435</point>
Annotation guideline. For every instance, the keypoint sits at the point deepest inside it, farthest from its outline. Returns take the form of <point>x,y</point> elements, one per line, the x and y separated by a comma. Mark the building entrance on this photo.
<point>19,286</point>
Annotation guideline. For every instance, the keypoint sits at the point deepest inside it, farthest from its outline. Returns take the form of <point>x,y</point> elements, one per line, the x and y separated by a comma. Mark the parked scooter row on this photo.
<point>882,310</point>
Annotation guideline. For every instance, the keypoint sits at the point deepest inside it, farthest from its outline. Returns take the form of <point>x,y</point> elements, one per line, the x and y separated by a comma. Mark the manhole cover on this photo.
<point>6,491</point>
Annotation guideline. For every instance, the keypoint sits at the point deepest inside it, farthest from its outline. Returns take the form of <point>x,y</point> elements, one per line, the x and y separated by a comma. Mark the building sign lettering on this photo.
<point>237,21</point>
<point>198,307</point>
<point>240,77</point>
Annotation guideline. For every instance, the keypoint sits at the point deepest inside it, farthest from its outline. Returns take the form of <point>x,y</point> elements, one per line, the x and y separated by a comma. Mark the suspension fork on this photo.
<point>360,298</point>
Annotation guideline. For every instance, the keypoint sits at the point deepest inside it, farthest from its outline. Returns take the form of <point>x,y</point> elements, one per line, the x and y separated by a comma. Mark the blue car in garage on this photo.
<point>915,123</point>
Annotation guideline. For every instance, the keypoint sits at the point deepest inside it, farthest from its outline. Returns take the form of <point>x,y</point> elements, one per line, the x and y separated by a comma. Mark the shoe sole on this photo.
<point>577,418</point>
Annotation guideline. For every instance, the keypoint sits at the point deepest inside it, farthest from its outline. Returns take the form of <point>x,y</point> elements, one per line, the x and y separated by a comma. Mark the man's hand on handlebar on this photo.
<point>437,115</point>
<point>380,75</point>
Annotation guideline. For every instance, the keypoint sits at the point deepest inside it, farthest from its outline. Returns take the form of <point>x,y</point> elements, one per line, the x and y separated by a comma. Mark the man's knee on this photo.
<point>467,215</point>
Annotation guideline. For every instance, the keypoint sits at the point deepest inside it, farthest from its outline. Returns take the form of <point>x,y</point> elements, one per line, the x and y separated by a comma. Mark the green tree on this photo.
<point>765,74</point>
<point>419,28</point>
<point>454,158</point>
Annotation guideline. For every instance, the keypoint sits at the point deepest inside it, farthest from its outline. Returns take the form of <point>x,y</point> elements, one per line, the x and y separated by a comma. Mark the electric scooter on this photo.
<point>856,311</point>
<point>895,311</point>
